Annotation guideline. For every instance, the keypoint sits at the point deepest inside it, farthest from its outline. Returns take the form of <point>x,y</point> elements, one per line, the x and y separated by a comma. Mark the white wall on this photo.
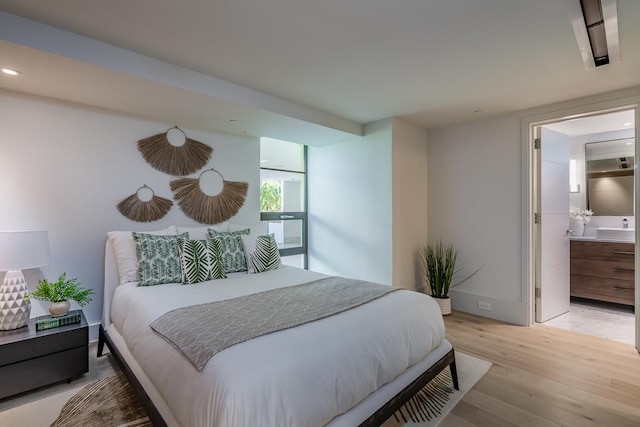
<point>368,204</point>
<point>350,206</point>
<point>476,195</point>
<point>65,167</point>
<point>474,202</point>
<point>410,181</point>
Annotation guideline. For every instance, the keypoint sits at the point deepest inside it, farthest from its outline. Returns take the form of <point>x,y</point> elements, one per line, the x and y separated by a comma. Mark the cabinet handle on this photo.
<point>624,252</point>
<point>623,270</point>
<point>622,289</point>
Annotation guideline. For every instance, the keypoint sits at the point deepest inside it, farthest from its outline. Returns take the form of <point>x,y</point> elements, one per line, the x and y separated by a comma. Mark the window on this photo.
<point>283,197</point>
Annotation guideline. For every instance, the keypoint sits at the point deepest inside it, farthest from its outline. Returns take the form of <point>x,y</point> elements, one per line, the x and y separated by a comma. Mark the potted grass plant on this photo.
<point>437,264</point>
<point>60,293</point>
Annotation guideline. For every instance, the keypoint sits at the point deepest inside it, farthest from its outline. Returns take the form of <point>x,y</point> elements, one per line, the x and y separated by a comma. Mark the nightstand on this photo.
<point>30,359</point>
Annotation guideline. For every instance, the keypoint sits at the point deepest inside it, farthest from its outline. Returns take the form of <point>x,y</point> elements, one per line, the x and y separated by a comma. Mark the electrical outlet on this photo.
<point>482,305</point>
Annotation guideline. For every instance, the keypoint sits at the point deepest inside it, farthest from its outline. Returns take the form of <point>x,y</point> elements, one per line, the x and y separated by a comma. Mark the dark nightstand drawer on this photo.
<point>49,369</point>
<point>42,343</point>
<point>30,359</point>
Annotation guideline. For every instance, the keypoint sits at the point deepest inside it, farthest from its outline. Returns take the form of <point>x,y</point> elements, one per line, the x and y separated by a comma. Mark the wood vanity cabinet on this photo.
<point>603,271</point>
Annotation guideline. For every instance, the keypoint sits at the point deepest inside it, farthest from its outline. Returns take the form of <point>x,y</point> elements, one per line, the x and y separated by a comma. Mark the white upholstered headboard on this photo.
<point>111,282</point>
<point>128,260</point>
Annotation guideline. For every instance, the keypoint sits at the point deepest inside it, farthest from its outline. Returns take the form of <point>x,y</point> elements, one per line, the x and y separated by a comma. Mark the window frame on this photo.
<point>294,215</point>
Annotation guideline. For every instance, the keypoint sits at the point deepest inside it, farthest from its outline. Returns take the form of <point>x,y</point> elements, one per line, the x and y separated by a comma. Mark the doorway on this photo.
<point>599,300</point>
<point>578,199</point>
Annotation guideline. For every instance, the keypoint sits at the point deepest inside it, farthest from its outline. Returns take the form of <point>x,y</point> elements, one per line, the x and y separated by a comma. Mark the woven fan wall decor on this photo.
<point>174,160</point>
<point>209,209</point>
<point>136,209</point>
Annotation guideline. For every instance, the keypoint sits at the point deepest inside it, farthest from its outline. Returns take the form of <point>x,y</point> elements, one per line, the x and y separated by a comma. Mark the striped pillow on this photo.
<point>200,261</point>
<point>262,253</point>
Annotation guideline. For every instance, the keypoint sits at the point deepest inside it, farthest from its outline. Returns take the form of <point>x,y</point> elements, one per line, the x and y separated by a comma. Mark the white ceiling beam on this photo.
<point>53,40</point>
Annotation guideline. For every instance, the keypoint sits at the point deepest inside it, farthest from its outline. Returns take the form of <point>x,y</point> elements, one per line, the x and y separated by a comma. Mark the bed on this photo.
<point>353,368</point>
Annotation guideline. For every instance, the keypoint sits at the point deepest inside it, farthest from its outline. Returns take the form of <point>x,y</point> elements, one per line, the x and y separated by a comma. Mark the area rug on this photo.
<point>112,402</point>
<point>107,402</point>
<point>432,404</point>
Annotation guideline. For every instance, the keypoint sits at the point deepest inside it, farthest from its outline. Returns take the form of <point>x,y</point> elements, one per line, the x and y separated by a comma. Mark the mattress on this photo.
<point>302,376</point>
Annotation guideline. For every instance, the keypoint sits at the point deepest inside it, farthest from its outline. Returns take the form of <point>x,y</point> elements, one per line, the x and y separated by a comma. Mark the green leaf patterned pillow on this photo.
<point>200,261</point>
<point>231,249</point>
<point>262,253</point>
<point>158,258</point>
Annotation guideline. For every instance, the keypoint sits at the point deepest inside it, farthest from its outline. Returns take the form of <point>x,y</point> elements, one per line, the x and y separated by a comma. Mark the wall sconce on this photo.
<point>574,187</point>
<point>19,250</point>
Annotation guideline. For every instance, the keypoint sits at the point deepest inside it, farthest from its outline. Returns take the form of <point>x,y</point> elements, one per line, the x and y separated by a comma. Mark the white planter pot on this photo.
<point>58,309</point>
<point>445,305</point>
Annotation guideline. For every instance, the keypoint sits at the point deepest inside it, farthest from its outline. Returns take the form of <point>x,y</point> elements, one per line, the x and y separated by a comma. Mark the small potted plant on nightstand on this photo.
<point>59,293</point>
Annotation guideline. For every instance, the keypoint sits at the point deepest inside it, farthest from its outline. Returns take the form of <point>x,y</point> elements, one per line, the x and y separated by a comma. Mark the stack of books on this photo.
<point>48,322</point>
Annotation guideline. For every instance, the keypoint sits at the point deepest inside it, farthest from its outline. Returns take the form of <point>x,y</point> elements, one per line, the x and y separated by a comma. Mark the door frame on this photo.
<point>529,189</point>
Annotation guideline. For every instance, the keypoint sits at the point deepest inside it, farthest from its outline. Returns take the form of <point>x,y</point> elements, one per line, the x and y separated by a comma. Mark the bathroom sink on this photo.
<point>616,233</point>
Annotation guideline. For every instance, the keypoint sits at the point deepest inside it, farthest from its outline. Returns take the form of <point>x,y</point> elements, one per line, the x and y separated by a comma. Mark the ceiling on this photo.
<point>302,70</point>
<point>599,123</point>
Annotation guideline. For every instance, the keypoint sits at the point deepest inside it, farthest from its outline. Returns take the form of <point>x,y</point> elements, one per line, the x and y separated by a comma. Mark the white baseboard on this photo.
<point>507,311</point>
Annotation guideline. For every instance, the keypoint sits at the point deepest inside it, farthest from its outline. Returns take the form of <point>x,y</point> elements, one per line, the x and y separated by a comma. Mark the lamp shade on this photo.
<point>21,250</point>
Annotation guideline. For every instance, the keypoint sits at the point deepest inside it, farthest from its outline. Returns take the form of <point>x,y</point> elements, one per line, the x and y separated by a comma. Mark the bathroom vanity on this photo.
<point>603,270</point>
<point>602,254</point>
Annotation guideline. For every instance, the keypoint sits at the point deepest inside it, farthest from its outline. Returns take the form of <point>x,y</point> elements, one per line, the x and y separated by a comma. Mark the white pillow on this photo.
<point>124,249</point>
<point>201,233</point>
<point>258,229</point>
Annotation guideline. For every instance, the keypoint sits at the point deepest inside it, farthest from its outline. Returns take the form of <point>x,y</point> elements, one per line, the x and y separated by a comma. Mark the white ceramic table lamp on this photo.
<point>19,250</point>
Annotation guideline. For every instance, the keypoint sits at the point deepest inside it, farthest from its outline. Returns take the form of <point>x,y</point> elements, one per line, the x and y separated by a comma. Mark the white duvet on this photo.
<point>303,376</point>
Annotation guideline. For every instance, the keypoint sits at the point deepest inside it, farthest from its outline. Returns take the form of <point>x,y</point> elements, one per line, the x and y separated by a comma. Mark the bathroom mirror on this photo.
<point>609,167</point>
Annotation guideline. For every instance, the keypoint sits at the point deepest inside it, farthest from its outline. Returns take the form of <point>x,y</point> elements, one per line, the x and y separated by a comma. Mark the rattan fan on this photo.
<point>174,160</point>
<point>209,209</point>
<point>144,211</point>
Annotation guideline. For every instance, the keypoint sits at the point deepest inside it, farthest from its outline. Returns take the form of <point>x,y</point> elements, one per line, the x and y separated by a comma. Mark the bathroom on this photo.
<point>602,224</point>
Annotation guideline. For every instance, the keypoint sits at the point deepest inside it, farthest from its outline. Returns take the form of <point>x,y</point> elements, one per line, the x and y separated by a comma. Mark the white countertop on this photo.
<point>596,239</point>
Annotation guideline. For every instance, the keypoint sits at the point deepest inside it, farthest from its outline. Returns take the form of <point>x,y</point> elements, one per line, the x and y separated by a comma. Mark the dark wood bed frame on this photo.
<point>376,419</point>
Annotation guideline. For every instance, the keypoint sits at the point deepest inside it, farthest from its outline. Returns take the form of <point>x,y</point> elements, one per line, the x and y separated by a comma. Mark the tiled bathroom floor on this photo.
<point>602,320</point>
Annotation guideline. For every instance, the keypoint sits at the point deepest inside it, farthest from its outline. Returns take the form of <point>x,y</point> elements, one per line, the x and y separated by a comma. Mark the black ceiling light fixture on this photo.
<point>595,25</point>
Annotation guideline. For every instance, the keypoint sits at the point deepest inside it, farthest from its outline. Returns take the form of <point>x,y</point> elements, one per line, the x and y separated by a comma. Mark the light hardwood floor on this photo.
<point>544,376</point>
